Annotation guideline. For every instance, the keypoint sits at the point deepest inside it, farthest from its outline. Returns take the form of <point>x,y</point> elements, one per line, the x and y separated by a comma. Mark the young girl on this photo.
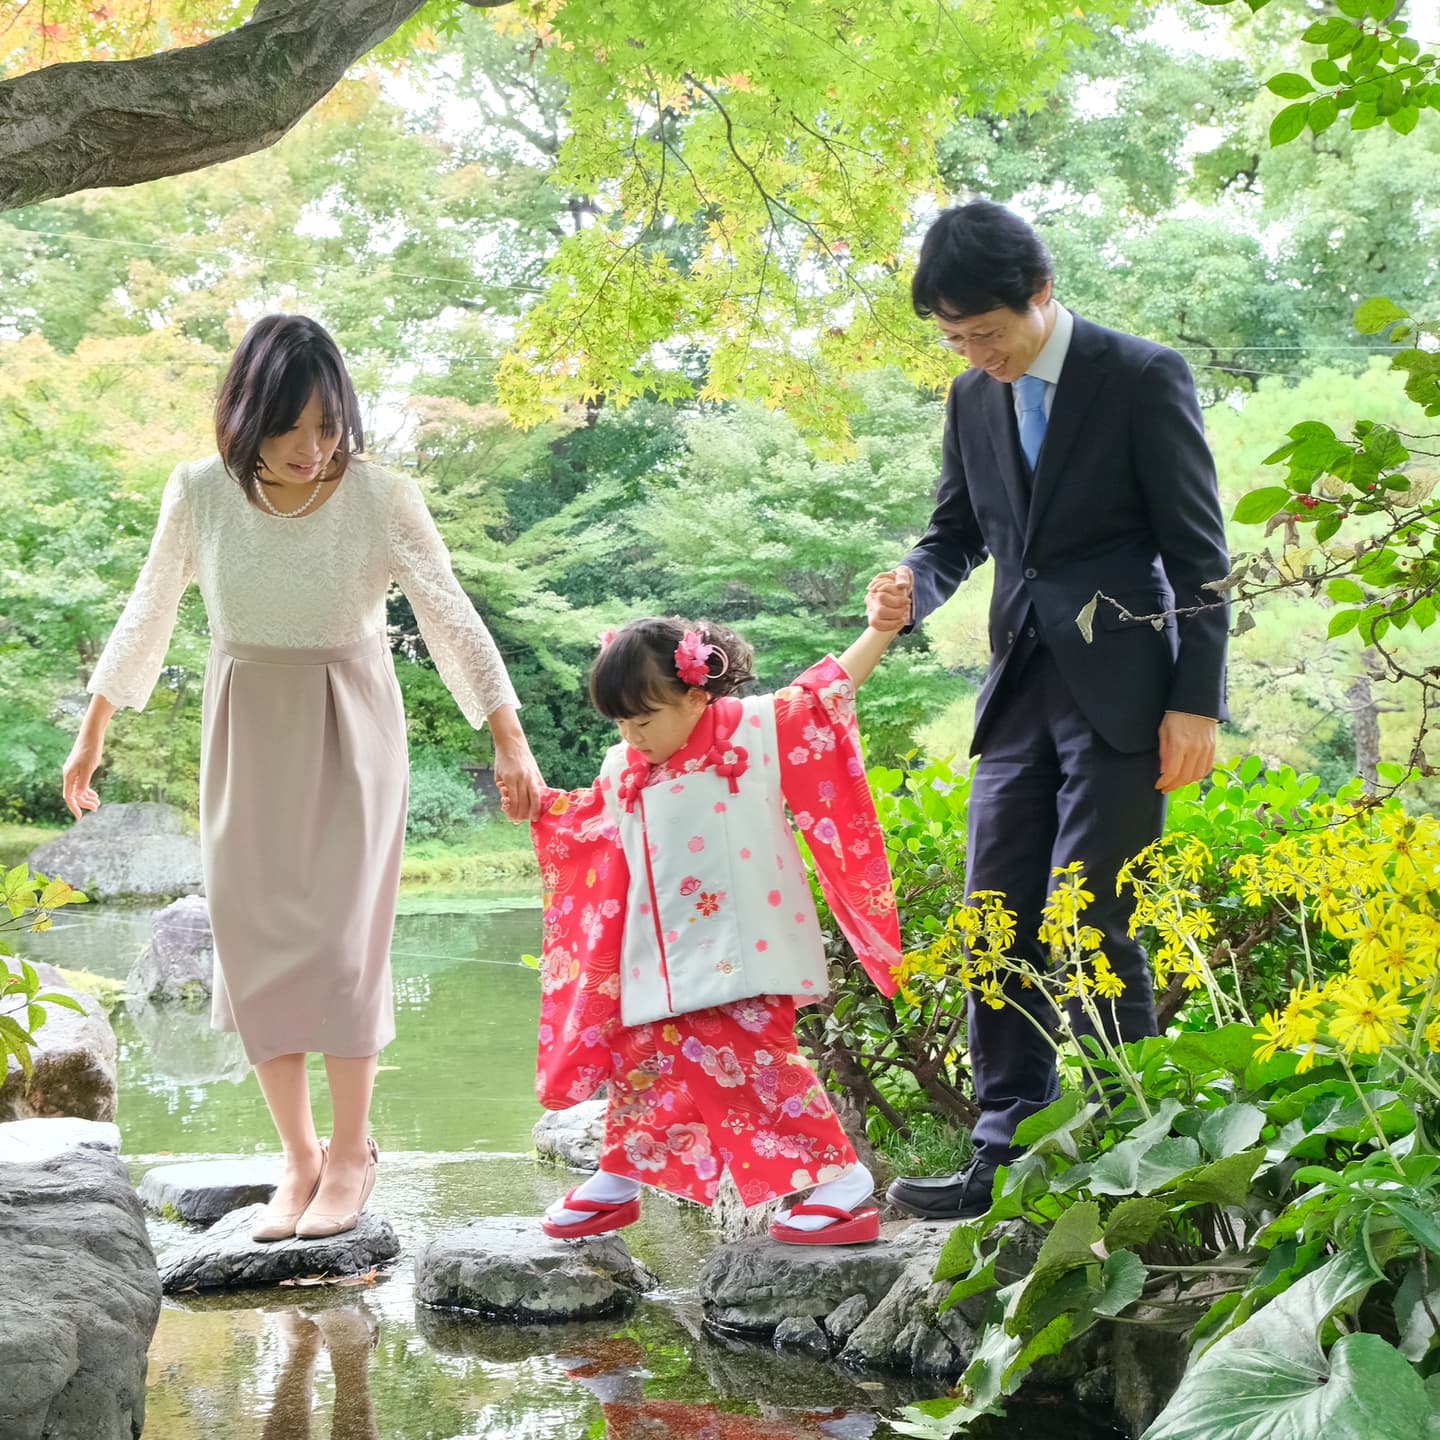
<point>680,932</point>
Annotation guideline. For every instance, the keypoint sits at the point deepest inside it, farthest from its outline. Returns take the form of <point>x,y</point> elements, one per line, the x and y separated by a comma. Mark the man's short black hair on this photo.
<point>978,257</point>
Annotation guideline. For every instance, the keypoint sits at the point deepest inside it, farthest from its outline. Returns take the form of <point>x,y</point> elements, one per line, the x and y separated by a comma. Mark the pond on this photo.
<point>452,1117</point>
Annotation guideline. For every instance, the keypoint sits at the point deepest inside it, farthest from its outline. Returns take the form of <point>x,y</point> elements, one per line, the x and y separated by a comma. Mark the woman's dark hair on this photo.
<point>635,672</point>
<point>280,363</point>
<point>978,257</point>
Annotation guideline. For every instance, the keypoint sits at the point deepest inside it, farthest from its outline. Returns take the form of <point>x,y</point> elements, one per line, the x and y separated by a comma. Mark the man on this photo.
<point>1075,457</point>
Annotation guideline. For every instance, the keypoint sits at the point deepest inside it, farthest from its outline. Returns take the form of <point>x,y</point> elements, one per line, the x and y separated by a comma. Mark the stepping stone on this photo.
<point>572,1136</point>
<point>33,1141</point>
<point>224,1257</point>
<point>506,1268</point>
<point>201,1191</point>
<point>755,1284</point>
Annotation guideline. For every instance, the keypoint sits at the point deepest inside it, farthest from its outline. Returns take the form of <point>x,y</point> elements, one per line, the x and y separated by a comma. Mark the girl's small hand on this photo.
<point>84,761</point>
<point>888,599</point>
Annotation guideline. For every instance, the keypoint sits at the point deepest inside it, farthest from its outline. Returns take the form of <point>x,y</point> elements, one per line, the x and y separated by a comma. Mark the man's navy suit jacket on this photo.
<point>1123,502</point>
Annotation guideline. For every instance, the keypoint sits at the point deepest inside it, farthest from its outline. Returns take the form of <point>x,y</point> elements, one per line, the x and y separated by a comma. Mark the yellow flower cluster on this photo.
<point>1369,879</point>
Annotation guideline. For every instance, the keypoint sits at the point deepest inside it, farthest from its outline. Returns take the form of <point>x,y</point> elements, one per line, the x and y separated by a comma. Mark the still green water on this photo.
<point>452,1116</point>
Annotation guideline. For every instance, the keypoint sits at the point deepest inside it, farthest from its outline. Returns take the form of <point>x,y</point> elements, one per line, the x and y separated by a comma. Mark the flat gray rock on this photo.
<point>572,1136</point>
<point>224,1257</point>
<point>179,961</point>
<point>139,850</point>
<point>506,1268</point>
<point>32,1142</point>
<point>754,1284</point>
<point>202,1191</point>
<point>79,1299</point>
<point>74,1062</point>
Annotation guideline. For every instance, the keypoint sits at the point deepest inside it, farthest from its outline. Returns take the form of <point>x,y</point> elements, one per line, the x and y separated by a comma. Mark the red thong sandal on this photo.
<point>851,1227</point>
<point>606,1215</point>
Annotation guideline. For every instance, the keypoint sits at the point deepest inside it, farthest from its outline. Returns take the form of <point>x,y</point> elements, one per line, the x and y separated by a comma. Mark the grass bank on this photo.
<point>493,854</point>
<point>17,841</point>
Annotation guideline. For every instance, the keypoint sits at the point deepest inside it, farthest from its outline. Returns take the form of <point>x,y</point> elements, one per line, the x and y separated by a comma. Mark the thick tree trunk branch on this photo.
<point>121,122</point>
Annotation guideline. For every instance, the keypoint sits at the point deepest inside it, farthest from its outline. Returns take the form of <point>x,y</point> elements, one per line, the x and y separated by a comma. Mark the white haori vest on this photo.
<point>719,905</point>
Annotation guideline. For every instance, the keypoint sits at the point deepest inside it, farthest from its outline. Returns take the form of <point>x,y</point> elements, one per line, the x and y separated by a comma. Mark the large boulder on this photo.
<point>754,1284</point>
<point>73,1059</point>
<point>79,1299</point>
<point>139,850</point>
<point>506,1268</point>
<point>224,1257</point>
<point>202,1191</point>
<point>573,1136</point>
<point>179,961</point>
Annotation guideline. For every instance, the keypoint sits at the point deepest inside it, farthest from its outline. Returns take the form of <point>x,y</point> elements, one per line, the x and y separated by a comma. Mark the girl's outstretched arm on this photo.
<point>861,658</point>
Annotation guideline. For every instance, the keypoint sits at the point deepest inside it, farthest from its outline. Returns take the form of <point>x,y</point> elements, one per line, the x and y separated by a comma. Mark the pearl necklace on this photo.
<point>289,514</point>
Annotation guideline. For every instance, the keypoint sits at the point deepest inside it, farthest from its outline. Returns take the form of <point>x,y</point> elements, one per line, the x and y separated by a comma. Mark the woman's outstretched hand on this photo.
<point>888,599</point>
<point>84,761</point>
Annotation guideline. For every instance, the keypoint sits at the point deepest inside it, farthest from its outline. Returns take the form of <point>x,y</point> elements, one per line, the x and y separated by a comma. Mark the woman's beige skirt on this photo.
<point>303,784</point>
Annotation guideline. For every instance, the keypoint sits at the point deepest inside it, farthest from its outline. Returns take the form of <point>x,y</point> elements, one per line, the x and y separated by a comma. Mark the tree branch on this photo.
<point>94,123</point>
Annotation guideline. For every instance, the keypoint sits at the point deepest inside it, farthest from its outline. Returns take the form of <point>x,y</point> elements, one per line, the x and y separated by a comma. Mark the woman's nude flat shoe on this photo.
<point>315,1225</point>
<point>268,1225</point>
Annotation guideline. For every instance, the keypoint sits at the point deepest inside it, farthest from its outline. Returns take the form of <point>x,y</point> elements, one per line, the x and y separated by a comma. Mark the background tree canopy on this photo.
<point>676,248</point>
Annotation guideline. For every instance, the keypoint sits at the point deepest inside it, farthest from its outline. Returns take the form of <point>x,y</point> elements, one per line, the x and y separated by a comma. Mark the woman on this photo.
<point>294,539</point>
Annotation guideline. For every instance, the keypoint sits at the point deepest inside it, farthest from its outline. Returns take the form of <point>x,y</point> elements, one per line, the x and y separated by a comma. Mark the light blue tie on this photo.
<point>1030,389</point>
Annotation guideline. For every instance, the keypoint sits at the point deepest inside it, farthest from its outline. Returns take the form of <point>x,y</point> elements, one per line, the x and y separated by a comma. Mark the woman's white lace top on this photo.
<point>313,582</point>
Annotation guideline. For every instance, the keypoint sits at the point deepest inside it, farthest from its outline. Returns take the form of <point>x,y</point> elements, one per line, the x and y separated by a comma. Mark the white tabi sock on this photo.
<point>845,1192</point>
<point>610,1189</point>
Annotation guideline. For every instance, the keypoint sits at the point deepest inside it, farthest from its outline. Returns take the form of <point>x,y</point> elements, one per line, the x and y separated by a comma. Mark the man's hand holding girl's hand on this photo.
<point>888,599</point>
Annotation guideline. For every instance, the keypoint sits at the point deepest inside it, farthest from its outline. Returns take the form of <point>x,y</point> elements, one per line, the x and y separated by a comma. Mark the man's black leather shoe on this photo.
<point>961,1196</point>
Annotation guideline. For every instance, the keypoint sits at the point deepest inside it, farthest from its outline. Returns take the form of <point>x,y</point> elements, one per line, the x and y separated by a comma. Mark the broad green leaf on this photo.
<point>1343,623</point>
<point>1269,1379</point>
<point>1123,1275</point>
<point>1289,85</point>
<point>1134,1222</point>
<point>1289,123</point>
<point>1224,1182</point>
<point>1054,1127</point>
<point>1373,315</point>
<point>1138,1167</point>
<point>1345,590</point>
<point>1261,504</point>
<point>66,1002</point>
<point>1231,1129</point>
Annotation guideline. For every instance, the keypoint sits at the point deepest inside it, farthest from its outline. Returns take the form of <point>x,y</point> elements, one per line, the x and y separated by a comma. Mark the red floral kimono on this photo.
<point>726,1086</point>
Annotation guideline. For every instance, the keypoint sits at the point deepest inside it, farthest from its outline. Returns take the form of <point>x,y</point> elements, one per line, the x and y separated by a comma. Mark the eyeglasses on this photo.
<point>960,346</point>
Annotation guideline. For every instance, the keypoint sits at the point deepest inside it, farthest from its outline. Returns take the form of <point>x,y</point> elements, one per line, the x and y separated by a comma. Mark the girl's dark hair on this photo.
<point>635,673</point>
<point>280,363</point>
<point>978,257</point>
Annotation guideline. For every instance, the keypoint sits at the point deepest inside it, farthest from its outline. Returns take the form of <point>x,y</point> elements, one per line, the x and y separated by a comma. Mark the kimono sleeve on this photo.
<point>584,874</point>
<point>822,777</point>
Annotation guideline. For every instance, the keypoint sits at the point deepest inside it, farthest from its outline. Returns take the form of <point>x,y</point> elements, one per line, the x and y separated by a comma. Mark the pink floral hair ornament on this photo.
<point>692,659</point>
<point>606,636</point>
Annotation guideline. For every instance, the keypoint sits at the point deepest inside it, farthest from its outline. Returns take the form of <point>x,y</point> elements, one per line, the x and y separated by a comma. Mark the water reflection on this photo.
<point>347,1333</point>
<point>615,1370</point>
